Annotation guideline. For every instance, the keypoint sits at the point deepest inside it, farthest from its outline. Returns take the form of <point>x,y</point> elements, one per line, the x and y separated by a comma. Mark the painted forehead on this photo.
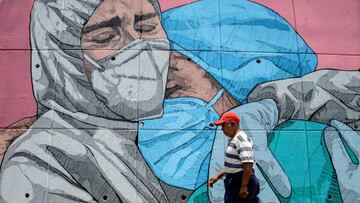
<point>110,8</point>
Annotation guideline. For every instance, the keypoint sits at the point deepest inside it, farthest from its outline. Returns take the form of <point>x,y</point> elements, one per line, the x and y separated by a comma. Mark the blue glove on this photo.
<point>257,119</point>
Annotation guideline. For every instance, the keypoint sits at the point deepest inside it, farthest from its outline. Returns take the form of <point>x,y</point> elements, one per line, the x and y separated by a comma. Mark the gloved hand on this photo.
<point>347,170</point>
<point>256,119</point>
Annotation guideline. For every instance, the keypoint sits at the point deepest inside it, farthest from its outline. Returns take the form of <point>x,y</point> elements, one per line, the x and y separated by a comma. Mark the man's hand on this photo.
<point>12,132</point>
<point>243,192</point>
<point>212,181</point>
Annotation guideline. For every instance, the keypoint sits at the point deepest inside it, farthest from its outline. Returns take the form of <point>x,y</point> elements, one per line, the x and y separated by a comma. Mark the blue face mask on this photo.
<point>177,146</point>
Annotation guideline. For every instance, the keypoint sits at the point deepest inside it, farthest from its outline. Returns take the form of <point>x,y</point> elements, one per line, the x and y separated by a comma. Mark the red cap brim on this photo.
<point>219,122</point>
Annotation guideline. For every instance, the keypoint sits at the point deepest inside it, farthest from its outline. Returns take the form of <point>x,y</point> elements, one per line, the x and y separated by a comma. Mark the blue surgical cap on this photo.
<point>239,43</point>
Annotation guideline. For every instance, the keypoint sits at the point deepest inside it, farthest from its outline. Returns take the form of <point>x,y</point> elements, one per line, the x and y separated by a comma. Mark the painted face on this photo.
<point>127,57</point>
<point>187,79</point>
<point>116,23</point>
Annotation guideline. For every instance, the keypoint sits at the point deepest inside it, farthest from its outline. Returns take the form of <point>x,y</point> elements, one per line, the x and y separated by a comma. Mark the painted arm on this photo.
<point>31,171</point>
<point>58,165</point>
<point>326,96</point>
<point>319,96</point>
<point>34,183</point>
<point>8,135</point>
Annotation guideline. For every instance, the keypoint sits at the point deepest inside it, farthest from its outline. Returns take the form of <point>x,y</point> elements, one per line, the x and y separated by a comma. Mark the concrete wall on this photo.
<point>82,121</point>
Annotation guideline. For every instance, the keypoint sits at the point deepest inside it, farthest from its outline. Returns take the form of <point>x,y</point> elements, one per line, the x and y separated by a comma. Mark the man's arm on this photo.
<point>247,172</point>
<point>246,157</point>
<point>220,174</point>
<point>214,179</point>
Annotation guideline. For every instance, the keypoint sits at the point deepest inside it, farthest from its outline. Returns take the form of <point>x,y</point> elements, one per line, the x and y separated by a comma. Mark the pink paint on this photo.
<point>283,8</point>
<point>346,62</point>
<point>16,97</point>
<point>337,22</point>
<point>168,4</point>
<point>14,24</point>
<point>331,28</point>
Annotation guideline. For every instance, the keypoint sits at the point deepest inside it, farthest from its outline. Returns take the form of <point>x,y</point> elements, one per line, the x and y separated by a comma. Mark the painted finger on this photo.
<point>273,172</point>
<point>351,137</point>
<point>266,193</point>
<point>337,151</point>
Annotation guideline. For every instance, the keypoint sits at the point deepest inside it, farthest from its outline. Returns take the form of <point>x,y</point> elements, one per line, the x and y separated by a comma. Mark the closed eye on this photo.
<point>145,22</point>
<point>103,39</point>
<point>101,36</point>
<point>145,28</point>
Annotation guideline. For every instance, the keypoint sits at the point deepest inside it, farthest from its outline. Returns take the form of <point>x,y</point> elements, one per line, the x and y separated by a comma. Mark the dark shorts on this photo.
<point>232,184</point>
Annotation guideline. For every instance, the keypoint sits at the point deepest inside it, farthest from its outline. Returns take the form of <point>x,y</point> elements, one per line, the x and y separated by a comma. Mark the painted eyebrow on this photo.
<point>144,17</point>
<point>113,22</point>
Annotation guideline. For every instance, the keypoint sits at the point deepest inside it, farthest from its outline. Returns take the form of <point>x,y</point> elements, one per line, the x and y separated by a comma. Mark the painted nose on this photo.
<point>131,34</point>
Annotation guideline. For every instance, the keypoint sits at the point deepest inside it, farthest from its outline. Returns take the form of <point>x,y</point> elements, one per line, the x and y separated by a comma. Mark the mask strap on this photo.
<point>94,63</point>
<point>216,97</point>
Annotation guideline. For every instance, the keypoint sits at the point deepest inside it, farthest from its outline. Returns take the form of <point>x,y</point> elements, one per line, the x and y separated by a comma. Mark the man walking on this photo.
<point>241,184</point>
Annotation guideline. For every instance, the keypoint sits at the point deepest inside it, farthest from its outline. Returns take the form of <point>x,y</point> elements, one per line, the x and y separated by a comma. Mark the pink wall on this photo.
<point>16,98</point>
<point>330,27</point>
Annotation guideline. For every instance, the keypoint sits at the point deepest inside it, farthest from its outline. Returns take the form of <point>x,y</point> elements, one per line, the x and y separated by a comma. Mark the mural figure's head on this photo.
<point>127,57</point>
<point>116,23</point>
<point>124,54</point>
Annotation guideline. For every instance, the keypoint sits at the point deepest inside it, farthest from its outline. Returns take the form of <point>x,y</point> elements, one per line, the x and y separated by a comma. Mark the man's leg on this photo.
<point>256,198</point>
<point>232,188</point>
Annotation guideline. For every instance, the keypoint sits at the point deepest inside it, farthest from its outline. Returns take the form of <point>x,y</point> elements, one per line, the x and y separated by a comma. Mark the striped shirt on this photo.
<point>238,151</point>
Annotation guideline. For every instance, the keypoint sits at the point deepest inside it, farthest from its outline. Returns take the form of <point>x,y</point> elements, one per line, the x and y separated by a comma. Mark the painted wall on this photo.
<point>135,125</point>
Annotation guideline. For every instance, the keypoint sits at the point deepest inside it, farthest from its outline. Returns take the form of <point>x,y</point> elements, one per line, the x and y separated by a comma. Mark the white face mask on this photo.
<point>131,82</point>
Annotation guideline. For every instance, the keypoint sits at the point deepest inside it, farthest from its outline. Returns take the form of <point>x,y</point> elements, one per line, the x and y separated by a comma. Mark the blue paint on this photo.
<point>177,146</point>
<point>227,37</point>
<point>300,149</point>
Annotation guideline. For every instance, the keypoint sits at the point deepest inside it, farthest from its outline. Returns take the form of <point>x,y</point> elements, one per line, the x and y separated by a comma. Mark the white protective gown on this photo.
<point>77,150</point>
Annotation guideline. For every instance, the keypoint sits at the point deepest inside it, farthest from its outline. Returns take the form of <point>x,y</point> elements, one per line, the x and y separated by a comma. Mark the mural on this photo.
<point>127,91</point>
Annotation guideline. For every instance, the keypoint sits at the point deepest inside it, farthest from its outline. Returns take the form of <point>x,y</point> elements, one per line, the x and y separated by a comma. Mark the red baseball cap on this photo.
<point>228,116</point>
